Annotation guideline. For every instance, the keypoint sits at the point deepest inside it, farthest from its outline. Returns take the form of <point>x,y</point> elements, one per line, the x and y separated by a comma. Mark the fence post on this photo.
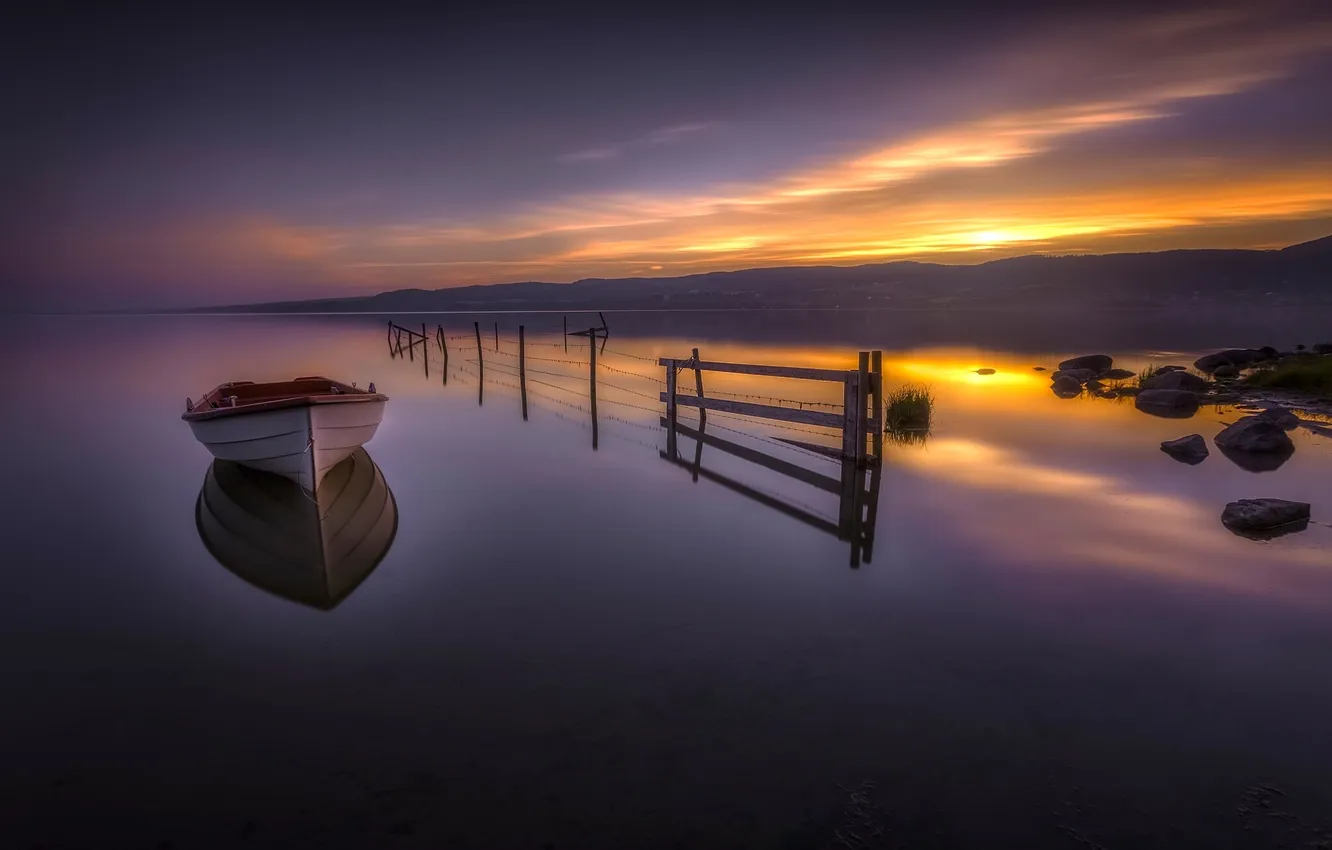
<point>497,336</point>
<point>444,347</point>
<point>670,408</point>
<point>698,382</point>
<point>390,341</point>
<point>862,398</point>
<point>480,365</point>
<point>876,396</point>
<point>592,372</point>
<point>522,367</point>
<point>411,349</point>
<point>425,352</point>
<point>566,334</point>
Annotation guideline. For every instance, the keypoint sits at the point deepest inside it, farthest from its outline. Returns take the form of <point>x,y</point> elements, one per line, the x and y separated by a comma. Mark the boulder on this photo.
<point>1226,371</point>
<point>1269,353</point>
<point>1176,381</point>
<point>1281,417</point>
<point>1169,404</point>
<point>1082,376</point>
<point>1160,369</point>
<point>1265,517</point>
<point>985,371</point>
<point>1255,435</point>
<point>1258,462</point>
<point>1237,357</point>
<point>1128,391</point>
<point>1191,449</point>
<point>1094,385</point>
<point>1108,394</point>
<point>1119,375</point>
<point>1038,368</point>
<point>1097,363</point>
<point>1323,348</point>
<point>1066,387</point>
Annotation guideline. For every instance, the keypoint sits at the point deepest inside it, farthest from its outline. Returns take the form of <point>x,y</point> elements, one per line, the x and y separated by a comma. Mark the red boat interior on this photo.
<point>250,394</point>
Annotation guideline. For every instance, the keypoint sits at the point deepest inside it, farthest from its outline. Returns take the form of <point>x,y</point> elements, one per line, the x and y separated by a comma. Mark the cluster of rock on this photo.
<point>1258,443</point>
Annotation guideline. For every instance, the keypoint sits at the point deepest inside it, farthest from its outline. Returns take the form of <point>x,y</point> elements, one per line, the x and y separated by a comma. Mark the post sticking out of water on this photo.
<point>698,381</point>
<point>862,399</point>
<point>670,408</point>
<point>480,365</point>
<point>444,347</point>
<point>592,372</point>
<point>522,367</point>
<point>425,352</point>
<point>566,334</point>
<point>876,398</point>
<point>497,336</point>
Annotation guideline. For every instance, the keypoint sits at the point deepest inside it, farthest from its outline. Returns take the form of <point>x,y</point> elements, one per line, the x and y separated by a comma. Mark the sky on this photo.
<point>164,156</point>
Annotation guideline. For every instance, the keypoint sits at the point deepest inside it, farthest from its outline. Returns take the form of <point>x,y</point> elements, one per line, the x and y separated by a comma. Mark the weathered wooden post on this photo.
<point>444,347</point>
<point>522,367</point>
<point>698,382</point>
<point>480,366</point>
<point>497,336</point>
<point>390,340</point>
<point>566,334</point>
<point>670,409</point>
<point>876,397</point>
<point>850,428</point>
<point>592,371</point>
<point>862,399</point>
<point>411,349</point>
<point>425,352</point>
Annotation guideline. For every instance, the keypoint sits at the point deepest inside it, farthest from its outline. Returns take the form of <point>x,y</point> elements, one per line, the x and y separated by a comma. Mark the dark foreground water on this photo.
<point>1055,642</point>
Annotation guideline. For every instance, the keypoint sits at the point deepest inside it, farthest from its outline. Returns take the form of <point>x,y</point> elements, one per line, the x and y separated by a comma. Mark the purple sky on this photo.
<point>175,157</point>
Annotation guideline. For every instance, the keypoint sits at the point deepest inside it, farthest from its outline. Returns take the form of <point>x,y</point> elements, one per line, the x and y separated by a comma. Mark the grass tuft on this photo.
<point>1311,373</point>
<point>909,408</point>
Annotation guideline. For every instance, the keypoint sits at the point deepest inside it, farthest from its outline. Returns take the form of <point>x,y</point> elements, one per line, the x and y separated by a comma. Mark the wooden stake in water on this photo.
<point>480,365</point>
<point>522,368</point>
<point>698,381</point>
<point>876,399</point>
<point>592,372</point>
<point>497,336</point>
<point>425,352</point>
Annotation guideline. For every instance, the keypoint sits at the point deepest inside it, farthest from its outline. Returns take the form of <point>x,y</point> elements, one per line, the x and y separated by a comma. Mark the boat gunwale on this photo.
<point>344,395</point>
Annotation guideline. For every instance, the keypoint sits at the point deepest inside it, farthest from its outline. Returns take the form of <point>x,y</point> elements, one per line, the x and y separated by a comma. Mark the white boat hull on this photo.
<point>299,443</point>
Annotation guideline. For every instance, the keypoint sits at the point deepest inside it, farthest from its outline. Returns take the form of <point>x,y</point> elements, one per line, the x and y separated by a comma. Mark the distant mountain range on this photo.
<point>1300,275</point>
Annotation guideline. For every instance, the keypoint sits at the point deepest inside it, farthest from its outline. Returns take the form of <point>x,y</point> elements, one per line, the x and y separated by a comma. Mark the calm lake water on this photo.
<point>1055,640</point>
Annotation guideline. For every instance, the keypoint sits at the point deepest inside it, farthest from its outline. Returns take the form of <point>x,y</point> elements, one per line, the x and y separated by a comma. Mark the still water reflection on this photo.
<point>314,549</point>
<point>1056,640</point>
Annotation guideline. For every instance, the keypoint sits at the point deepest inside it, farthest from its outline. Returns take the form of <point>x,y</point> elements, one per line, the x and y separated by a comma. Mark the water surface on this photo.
<point>1054,639</point>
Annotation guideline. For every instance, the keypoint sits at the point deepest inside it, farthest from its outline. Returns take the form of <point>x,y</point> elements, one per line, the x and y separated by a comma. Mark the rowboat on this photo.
<point>314,550</point>
<point>299,429</point>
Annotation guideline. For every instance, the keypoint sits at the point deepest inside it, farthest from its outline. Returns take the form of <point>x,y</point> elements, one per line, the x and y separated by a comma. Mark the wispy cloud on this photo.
<point>659,136</point>
<point>591,154</point>
<point>1003,181</point>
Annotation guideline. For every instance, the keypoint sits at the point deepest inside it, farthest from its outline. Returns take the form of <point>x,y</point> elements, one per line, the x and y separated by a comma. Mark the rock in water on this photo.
<point>1097,363</point>
<point>1237,357</point>
<point>1094,385</point>
<point>984,371</point>
<point>1265,517</point>
<point>1281,417</point>
<point>1066,387</point>
<point>1255,435</point>
<point>1118,375</point>
<point>1160,369</point>
<point>1038,368</point>
<point>1170,404</point>
<point>1082,376</point>
<point>1226,371</point>
<point>1176,381</point>
<point>1191,449</point>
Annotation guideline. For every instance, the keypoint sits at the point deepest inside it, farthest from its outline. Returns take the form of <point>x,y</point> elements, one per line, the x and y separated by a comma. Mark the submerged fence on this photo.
<point>532,369</point>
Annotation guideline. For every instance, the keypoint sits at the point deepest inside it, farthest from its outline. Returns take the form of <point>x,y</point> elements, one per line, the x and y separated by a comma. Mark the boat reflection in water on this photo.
<point>313,550</point>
